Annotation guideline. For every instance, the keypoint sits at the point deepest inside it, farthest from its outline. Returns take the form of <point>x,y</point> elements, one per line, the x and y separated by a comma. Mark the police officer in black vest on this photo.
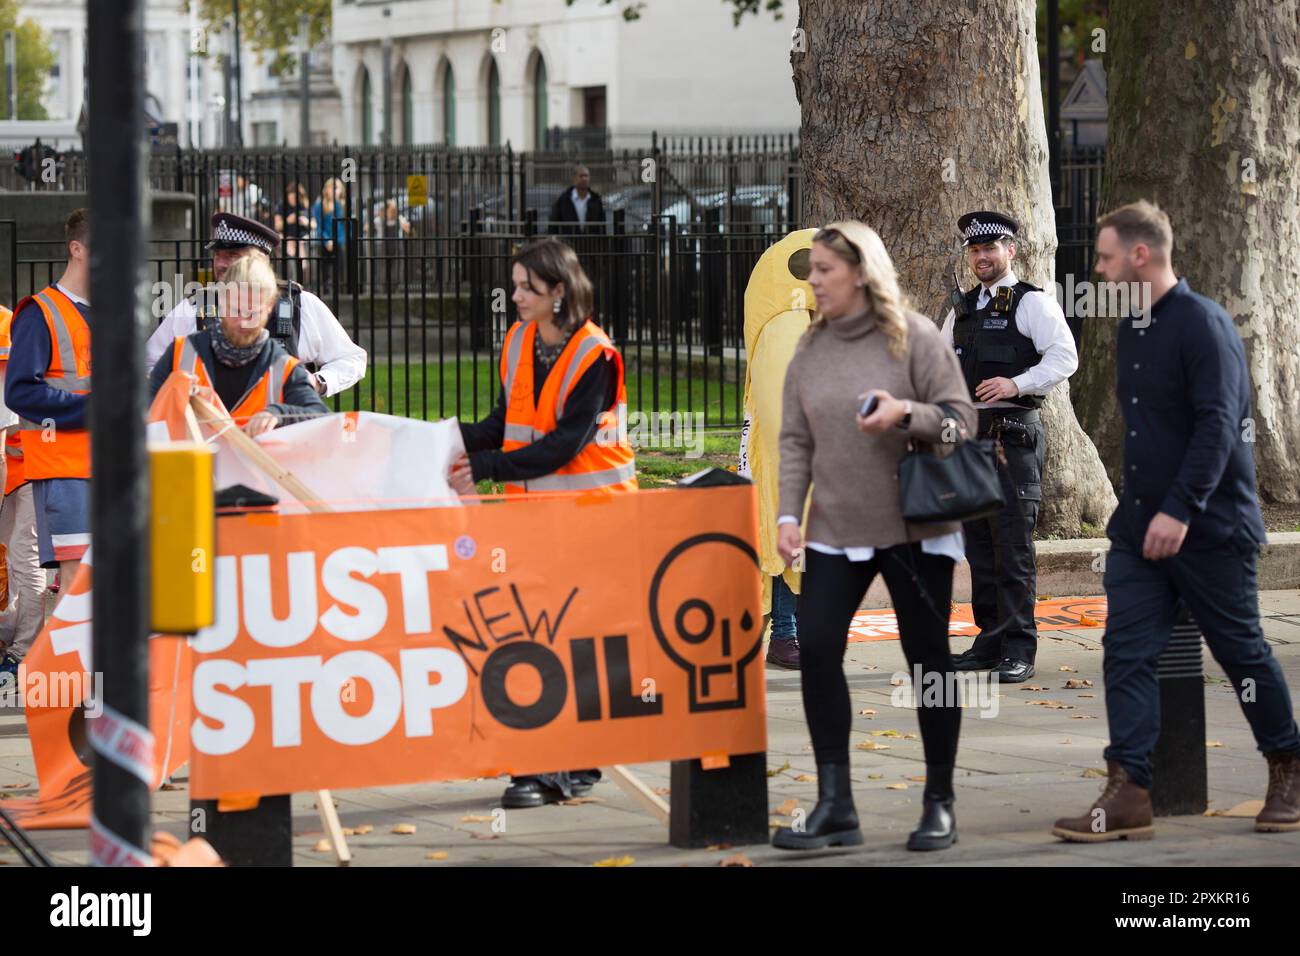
<point>301,321</point>
<point>1013,345</point>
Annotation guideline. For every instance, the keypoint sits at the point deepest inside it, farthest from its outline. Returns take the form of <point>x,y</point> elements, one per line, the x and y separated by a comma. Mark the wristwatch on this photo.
<point>906,420</point>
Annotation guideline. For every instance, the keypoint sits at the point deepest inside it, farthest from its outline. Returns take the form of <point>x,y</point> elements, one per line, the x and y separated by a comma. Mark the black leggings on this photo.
<point>833,587</point>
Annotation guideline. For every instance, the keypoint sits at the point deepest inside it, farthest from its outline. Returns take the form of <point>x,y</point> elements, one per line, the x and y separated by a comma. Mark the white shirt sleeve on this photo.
<point>946,330</point>
<point>178,322</point>
<point>323,341</point>
<point>1039,317</point>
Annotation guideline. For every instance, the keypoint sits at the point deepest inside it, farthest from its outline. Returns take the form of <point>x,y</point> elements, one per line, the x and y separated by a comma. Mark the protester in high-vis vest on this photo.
<point>235,359</point>
<point>559,424</point>
<point>21,621</point>
<point>47,385</point>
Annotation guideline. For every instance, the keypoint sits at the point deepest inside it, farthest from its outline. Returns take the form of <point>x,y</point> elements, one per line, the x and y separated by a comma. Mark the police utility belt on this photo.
<point>1010,426</point>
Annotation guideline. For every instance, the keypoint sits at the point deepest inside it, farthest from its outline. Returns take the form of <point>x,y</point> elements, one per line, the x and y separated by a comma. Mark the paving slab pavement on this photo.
<point>1017,771</point>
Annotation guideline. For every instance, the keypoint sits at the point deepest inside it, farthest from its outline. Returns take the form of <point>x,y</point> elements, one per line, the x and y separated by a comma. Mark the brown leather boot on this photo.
<point>1282,805</point>
<point>1122,812</point>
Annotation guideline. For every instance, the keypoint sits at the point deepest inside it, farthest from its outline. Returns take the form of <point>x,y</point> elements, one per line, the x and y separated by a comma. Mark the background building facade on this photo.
<point>479,72</point>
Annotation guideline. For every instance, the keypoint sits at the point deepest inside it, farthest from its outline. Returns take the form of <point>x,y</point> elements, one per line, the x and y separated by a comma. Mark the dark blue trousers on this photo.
<point>1218,586</point>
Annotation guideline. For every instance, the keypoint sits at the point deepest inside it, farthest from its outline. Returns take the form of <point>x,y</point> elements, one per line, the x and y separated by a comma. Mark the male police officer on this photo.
<point>301,322</point>
<point>1013,345</point>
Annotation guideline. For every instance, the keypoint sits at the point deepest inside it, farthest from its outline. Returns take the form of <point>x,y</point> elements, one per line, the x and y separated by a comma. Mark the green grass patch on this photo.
<point>433,390</point>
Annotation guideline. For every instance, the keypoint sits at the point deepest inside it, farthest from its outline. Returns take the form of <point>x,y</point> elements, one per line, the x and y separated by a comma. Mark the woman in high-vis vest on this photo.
<point>259,383</point>
<point>558,424</point>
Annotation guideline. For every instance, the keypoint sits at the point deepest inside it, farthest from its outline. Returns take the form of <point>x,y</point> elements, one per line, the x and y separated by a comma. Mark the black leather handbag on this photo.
<point>960,486</point>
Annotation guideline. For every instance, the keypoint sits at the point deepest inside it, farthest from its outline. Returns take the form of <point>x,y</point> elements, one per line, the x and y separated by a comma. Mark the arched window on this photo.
<point>494,104</point>
<point>448,104</point>
<point>408,109</point>
<point>541,117</point>
<point>367,110</point>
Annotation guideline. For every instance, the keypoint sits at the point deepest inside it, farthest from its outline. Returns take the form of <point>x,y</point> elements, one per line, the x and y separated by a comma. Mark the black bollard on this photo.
<point>725,804</point>
<point>1178,762</point>
<point>259,836</point>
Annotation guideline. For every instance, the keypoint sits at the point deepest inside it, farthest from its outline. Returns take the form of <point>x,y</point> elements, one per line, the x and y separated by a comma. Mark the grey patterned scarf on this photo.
<point>231,355</point>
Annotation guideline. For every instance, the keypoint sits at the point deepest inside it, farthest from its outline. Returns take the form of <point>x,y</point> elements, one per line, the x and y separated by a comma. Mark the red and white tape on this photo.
<point>124,742</point>
<point>109,849</point>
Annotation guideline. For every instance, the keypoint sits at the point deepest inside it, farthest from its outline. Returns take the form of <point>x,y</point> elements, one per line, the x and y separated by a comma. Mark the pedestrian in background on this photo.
<point>579,209</point>
<point>293,220</point>
<point>329,208</point>
<point>865,342</point>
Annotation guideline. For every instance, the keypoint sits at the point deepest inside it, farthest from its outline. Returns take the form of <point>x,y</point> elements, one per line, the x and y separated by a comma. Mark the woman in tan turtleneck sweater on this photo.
<point>865,342</point>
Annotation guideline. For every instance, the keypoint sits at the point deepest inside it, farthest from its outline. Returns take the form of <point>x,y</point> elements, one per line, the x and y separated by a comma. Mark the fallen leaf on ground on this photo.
<point>909,736</point>
<point>475,818</point>
<point>875,776</point>
<point>323,846</point>
<point>916,779</point>
<point>1087,695</point>
<point>868,712</point>
<point>1093,772</point>
<point>895,786</point>
<point>482,836</point>
<point>1031,687</point>
<point>1089,621</point>
<point>23,786</point>
<point>885,733</point>
<point>1068,669</point>
<point>738,859</point>
<point>788,807</point>
<point>872,745</point>
<point>664,791</point>
<point>615,861</point>
<point>785,766</point>
<point>1213,743</point>
<point>347,831</point>
<point>406,829</point>
<point>436,855</point>
<point>1248,808</point>
<point>897,682</point>
<point>1074,683</point>
<point>806,778</point>
<point>773,822</point>
<point>361,829</point>
<point>171,786</point>
<point>1082,717</point>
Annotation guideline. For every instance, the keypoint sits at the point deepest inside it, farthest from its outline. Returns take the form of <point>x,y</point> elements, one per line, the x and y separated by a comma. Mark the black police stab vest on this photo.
<point>284,324</point>
<point>989,345</point>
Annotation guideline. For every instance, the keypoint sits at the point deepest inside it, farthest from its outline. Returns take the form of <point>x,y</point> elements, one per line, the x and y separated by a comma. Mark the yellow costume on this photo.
<point>778,308</point>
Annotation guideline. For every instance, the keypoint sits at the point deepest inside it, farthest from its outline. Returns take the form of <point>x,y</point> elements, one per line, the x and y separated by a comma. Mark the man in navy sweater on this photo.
<point>1188,528</point>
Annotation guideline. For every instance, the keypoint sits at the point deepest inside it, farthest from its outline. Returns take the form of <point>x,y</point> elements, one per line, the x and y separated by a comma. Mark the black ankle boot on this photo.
<point>833,822</point>
<point>938,827</point>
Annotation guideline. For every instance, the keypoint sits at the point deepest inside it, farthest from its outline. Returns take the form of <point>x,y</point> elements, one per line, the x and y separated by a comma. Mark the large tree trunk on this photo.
<point>1203,121</point>
<point>914,112</point>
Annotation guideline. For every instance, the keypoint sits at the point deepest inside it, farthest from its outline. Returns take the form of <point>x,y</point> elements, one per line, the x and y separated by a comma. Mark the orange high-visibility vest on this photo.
<point>13,450</point>
<point>57,452</point>
<point>606,461</point>
<point>267,390</point>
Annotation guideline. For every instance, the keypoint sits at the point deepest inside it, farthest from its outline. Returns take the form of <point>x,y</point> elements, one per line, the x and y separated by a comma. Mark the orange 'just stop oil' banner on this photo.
<point>381,647</point>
